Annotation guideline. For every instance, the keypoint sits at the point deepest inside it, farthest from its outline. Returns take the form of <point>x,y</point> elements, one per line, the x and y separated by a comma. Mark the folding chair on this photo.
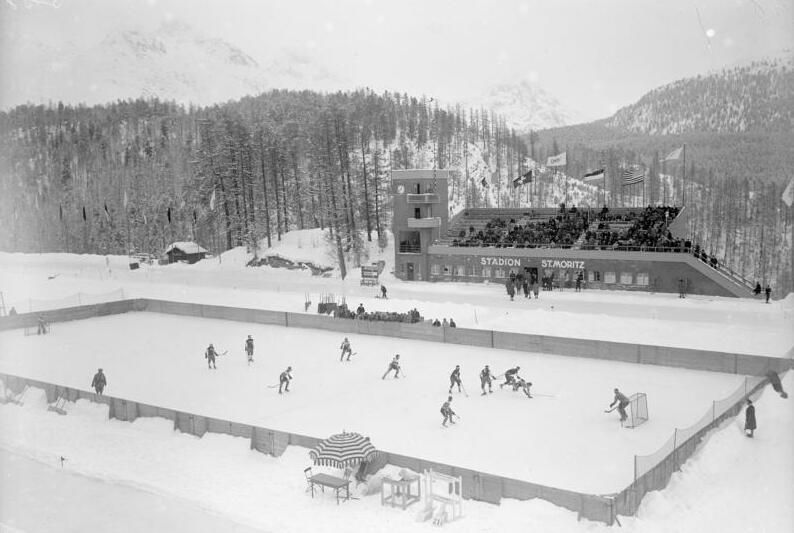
<point>307,472</point>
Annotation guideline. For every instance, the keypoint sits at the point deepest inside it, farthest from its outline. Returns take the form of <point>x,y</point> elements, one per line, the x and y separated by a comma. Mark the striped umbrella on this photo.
<point>342,450</point>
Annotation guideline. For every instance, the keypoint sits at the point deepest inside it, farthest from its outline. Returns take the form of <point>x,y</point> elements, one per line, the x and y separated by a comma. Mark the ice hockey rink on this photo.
<point>562,437</point>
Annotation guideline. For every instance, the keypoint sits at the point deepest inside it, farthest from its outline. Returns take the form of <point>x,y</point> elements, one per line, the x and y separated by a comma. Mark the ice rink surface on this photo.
<point>561,439</point>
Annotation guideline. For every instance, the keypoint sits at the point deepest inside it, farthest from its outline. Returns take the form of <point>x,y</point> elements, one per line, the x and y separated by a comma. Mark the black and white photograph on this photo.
<point>373,266</point>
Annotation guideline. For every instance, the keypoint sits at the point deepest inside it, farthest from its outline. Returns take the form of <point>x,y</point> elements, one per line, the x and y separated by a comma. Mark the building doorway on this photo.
<point>409,271</point>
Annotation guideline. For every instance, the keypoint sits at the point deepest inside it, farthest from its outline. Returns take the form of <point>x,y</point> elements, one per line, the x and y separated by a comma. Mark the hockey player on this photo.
<point>622,402</point>
<point>249,349</point>
<point>448,413</point>
<point>383,291</point>
<point>454,379</point>
<point>42,329</point>
<point>284,379</point>
<point>510,376</point>
<point>394,365</point>
<point>345,346</point>
<point>524,385</point>
<point>99,382</point>
<point>485,379</point>
<point>210,356</point>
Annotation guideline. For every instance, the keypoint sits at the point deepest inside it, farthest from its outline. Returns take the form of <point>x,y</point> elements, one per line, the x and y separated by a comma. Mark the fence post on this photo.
<point>713,410</point>
<point>286,319</point>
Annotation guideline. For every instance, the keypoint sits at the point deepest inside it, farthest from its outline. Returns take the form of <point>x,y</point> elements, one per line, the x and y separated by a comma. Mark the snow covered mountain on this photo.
<point>174,62</point>
<point>526,106</point>
<point>755,97</point>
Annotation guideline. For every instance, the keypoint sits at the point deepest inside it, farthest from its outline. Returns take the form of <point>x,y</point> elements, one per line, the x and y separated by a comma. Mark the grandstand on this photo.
<point>641,249</point>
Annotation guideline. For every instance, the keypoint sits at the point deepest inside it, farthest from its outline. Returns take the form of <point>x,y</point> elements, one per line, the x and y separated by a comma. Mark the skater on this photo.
<point>511,290</point>
<point>525,287</point>
<point>284,379</point>
<point>383,292</point>
<point>774,379</point>
<point>43,324</point>
<point>447,411</point>
<point>510,376</point>
<point>535,288</point>
<point>749,418</point>
<point>99,382</point>
<point>210,356</point>
<point>768,292</point>
<point>522,384</point>
<point>622,402</point>
<point>394,365</point>
<point>681,288</point>
<point>454,379</point>
<point>249,349</point>
<point>579,279</point>
<point>485,379</point>
<point>345,346</point>
<point>360,310</point>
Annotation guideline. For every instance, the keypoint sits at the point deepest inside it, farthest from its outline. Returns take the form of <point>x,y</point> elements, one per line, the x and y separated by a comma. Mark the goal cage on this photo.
<point>638,410</point>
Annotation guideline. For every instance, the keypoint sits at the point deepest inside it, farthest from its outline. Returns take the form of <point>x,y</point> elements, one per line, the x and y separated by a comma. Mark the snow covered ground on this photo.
<point>558,441</point>
<point>731,485</point>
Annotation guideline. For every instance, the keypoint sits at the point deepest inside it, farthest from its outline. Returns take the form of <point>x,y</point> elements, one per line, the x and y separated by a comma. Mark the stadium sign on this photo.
<point>501,261</point>
<point>561,263</point>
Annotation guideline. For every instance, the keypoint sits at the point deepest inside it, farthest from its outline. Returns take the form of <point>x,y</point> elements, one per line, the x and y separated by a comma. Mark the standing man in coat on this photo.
<point>768,292</point>
<point>249,349</point>
<point>749,418</point>
<point>99,382</point>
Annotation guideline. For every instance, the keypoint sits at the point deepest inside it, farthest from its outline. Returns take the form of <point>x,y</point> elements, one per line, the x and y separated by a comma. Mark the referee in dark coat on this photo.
<point>749,418</point>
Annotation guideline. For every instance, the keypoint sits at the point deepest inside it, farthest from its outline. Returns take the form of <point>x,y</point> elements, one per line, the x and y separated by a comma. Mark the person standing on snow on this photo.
<point>394,365</point>
<point>454,379</point>
<point>749,418</point>
<point>284,379</point>
<point>622,402</point>
<point>448,413</point>
<point>346,349</point>
<point>210,356</point>
<point>485,379</point>
<point>99,382</point>
<point>249,349</point>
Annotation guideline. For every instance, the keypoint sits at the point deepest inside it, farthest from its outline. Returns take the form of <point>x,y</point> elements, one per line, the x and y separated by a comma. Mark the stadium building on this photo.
<point>633,249</point>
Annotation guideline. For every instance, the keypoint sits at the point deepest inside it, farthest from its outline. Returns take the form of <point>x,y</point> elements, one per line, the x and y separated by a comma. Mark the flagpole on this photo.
<point>683,179</point>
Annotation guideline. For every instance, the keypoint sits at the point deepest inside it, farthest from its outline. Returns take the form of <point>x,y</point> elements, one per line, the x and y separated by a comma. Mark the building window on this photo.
<point>435,269</point>
<point>486,272</point>
<point>499,273</point>
<point>460,270</point>
<point>594,275</point>
<point>609,277</point>
<point>402,268</point>
<point>626,278</point>
<point>473,271</point>
<point>447,270</point>
<point>642,278</point>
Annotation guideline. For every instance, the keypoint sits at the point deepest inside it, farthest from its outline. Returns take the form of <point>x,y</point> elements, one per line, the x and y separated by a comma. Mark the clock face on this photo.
<point>400,189</point>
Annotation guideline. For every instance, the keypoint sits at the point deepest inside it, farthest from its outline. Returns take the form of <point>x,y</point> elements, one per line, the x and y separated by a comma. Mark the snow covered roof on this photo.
<point>186,247</point>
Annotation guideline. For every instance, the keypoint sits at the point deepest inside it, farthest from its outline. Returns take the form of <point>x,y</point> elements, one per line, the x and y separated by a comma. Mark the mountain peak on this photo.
<point>526,105</point>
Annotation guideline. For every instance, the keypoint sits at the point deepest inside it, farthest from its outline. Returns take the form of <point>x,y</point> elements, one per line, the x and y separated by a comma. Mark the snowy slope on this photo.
<point>526,106</point>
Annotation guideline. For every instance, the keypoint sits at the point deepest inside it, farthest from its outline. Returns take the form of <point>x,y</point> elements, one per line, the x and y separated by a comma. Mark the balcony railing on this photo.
<point>426,198</point>
<point>408,248</point>
<point>423,223</point>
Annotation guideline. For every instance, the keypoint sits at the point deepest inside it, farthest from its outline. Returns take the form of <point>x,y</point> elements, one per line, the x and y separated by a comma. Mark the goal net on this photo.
<point>637,411</point>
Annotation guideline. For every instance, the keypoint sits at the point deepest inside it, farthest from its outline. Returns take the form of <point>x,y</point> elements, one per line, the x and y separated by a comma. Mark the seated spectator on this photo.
<point>452,323</point>
<point>436,323</point>
<point>444,323</point>
<point>360,311</point>
<point>13,310</point>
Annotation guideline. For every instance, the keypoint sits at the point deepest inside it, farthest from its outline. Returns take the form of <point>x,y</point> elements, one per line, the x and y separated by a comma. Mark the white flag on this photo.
<point>559,160</point>
<point>788,194</point>
<point>675,154</point>
<point>125,199</point>
<point>212,201</point>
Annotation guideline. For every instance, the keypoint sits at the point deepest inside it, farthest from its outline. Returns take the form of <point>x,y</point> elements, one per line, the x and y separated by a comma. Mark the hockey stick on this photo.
<point>610,410</point>
<point>544,395</point>
<point>462,386</point>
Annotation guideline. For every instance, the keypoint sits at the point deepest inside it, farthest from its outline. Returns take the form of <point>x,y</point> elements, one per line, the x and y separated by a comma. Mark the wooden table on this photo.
<point>336,483</point>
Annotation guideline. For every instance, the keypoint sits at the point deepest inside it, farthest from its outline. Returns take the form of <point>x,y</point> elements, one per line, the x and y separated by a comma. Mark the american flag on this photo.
<point>633,175</point>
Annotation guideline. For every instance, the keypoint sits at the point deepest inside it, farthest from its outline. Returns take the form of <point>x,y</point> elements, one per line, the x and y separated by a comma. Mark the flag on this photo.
<point>595,175</point>
<point>84,219</point>
<point>484,183</point>
<point>125,199</point>
<point>632,176</point>
<point>168,214</point>
<point>522,179</point>
<point>559,160</point>
<point>107,213</point>
<point>674,155</point>
<point>60,212</point>
<point>195,217</point>
<point>212,201</point>
<point>788,194</point>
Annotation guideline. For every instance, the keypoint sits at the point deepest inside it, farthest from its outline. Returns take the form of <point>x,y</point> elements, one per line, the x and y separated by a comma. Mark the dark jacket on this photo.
<point>99,381</point>
<point>749,417</point>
